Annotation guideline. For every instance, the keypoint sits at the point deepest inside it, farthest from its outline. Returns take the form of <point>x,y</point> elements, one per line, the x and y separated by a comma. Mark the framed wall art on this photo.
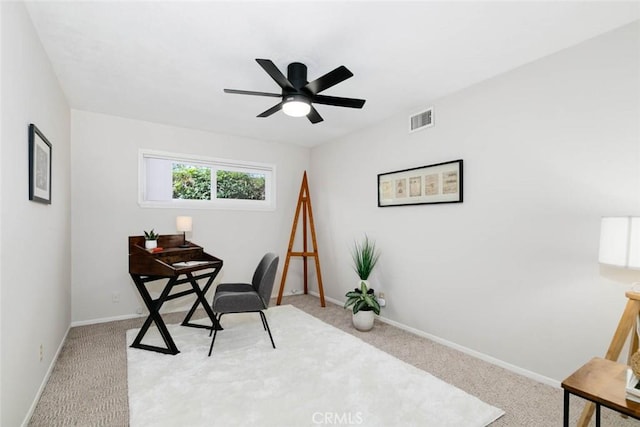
<point>39,166</point>
<point>438,183</point>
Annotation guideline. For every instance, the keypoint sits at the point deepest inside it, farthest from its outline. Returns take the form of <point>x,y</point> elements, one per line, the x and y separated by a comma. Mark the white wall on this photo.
<point>105,208</point>
<point>512,272</point>
<point>35,279</point>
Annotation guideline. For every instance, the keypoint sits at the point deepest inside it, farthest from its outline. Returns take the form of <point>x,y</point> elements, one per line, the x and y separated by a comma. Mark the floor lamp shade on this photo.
<point>620,241</point>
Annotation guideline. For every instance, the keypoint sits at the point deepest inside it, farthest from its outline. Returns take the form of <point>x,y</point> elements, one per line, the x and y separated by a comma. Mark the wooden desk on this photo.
<point>602,382</point>
<point>170,264</point>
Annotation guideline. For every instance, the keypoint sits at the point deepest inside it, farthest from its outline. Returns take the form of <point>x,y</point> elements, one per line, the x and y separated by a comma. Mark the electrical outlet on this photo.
<point>115,297</point>
<point>381,299</point>
<point>294,291</point>
<point>139,310</point>
<point>41,352</point>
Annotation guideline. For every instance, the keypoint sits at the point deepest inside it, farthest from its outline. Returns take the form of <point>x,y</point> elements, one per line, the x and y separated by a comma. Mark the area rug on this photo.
<point>318,375</point>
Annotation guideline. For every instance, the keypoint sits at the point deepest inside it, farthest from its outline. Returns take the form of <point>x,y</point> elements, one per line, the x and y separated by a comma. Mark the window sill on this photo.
<point>239,205</point>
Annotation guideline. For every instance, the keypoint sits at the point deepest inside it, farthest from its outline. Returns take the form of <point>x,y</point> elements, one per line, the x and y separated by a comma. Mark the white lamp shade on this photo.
<point>620,241</point>
<point>184,223</point>
<point>296,106</point>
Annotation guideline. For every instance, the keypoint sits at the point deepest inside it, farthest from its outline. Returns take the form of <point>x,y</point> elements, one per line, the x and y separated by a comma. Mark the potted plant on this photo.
<point>365,304</point>
<point>151,239</point>
<point>363,299</point>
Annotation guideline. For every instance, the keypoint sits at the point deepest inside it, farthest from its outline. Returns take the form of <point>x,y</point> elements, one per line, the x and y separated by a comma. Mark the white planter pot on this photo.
<point>150,244</point>
<point>363,320</point>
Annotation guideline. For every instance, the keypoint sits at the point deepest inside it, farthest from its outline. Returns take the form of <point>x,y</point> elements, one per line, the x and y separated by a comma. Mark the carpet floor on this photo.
<point>88,384</point>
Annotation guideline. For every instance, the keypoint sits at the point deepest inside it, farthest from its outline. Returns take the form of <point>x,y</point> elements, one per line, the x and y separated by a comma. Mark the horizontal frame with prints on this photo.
<point>437,183</point>
<point>40,151</point>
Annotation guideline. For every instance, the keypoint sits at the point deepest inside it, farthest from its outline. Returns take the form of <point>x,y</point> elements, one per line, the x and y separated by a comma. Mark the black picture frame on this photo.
<point>40,152</point>
<point>423,185</point>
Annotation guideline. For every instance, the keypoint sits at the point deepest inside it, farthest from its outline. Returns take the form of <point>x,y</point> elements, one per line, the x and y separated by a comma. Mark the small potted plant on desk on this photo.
<point>363,299</point>
<point>151,239</point>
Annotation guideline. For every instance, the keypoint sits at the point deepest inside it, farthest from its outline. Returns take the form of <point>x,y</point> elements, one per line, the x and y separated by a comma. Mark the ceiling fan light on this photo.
<point>296,106</point>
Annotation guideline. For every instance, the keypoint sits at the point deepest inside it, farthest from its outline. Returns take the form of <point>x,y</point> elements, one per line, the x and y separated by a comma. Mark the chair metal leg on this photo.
<point>216,324</point>
<point>264,325</point>
<point>264,322</point>
<point>215,332</point>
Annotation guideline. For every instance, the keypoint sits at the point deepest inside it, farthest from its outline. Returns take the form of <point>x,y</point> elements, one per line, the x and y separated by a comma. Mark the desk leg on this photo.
<point>155,317</point>
<point>597,415</point>
<point>565,421</point>
<point>201,299</point>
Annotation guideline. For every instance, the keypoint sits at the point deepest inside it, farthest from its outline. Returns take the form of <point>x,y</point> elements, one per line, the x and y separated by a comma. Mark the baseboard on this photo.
<point>135,316</point>
<point>478,355</point>
<point>32,408</point>
<point>106,319</point>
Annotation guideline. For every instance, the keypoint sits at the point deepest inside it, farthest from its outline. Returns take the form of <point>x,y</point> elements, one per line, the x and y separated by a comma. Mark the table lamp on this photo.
<point>184,224</point>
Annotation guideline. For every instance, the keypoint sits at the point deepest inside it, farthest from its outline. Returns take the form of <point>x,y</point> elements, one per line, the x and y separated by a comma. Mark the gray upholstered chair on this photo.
<point>247,297</point>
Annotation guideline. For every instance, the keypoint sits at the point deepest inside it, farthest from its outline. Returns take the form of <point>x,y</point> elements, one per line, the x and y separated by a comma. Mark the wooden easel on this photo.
<point>626,325</point>
<point>304,204</point>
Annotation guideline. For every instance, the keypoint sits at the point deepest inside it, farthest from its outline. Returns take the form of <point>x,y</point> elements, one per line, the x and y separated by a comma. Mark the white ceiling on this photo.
<point>168,62</point>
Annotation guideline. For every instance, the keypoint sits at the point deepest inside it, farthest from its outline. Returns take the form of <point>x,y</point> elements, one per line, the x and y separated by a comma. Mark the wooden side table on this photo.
<point>602,382</point>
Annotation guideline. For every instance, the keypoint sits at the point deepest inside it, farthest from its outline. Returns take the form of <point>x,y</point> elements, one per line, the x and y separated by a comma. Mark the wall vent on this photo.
<point>422,120</point>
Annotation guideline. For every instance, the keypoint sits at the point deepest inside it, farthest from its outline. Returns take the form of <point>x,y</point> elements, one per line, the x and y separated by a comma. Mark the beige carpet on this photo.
<point>88,385</point>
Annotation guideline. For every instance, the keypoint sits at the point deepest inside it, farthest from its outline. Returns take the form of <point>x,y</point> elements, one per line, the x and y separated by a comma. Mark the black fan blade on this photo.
<point>248,92</point>
<point>332,78</point>
<point>275,74</point>
<point>338,102</point>
<point>313,116</point>
<point>271,110</point>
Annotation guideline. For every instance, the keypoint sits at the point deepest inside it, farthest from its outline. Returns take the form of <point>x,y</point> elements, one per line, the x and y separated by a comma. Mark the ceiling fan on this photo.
<point>298,94</point>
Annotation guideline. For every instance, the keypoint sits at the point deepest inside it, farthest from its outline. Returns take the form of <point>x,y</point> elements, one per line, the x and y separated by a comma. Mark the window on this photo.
<point>187,181</point>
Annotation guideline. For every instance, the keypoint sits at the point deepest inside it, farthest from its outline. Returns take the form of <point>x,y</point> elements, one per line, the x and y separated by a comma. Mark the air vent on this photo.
<point>422,120</point>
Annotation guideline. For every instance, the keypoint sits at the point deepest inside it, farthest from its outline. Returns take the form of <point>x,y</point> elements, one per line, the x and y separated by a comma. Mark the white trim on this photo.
<point>105,320</point>
<point>246,205</point>
<point>204,160</point>
<point>36,399</point>
<point>269,204</point>
<point>185,307</point>
<point>478,355</point>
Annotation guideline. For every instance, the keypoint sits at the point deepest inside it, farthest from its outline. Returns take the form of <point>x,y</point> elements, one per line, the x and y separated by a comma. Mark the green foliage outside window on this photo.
<point>194,183</point>
<point>191,182</point>
<point>240,185</point>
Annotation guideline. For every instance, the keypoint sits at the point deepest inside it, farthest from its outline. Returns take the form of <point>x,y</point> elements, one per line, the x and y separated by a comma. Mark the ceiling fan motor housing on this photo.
<point>297,75</point>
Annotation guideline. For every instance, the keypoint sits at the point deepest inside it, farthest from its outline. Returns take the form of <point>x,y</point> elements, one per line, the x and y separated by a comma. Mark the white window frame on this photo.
<point>269,170</point>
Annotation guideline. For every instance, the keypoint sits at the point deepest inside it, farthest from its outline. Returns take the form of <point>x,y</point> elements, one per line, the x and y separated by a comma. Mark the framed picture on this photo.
<point>39,166</point>
<point>439,183</point>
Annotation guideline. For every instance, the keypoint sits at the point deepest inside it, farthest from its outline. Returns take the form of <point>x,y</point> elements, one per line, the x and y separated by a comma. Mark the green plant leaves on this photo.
<point>191,182</point>
<point>240,185</point>
<point>151,235</point>
<point>364,257</point>
<point>362,300</point>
